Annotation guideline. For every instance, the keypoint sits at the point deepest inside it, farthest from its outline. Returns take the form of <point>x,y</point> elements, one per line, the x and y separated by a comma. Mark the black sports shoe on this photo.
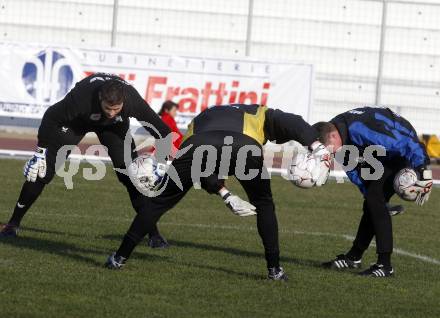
<point>277,273</point>
<point>157,241</point>
<point>395,209</point>
<point>378,270</point>
<point>342,262</point>
<point>8,230</point>
<point>115,262</point>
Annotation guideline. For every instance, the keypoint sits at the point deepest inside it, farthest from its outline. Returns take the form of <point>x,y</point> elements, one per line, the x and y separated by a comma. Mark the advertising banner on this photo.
<point>34,77</point>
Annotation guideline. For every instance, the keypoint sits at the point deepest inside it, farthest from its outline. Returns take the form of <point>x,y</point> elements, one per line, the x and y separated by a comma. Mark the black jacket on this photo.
<point>367,126</point>
<point>80,109</point>
<point>258,122</point>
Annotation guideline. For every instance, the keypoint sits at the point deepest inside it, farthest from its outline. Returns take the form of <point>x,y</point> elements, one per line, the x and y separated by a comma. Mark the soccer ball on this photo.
<point>142,168</point>
<point>300,171</point>
<point>146,173</point>
<point>404,182</point>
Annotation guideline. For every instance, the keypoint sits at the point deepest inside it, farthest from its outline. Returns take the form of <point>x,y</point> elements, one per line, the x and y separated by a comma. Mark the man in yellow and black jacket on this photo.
<point>221,141</point>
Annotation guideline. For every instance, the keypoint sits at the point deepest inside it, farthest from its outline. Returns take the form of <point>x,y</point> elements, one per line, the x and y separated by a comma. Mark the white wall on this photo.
<point>340,37</point>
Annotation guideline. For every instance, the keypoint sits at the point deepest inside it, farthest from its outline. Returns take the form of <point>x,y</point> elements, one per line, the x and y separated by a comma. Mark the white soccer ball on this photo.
<point>145,173</point>
<point>404,184</point>
<point>300,171</point>
<point>142,167</point>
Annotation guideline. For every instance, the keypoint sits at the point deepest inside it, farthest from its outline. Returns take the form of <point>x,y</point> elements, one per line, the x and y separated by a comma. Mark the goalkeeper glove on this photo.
<point>423,186</point>
<point>324,158</point>
<point>36,166</point>
<point>239,206</point>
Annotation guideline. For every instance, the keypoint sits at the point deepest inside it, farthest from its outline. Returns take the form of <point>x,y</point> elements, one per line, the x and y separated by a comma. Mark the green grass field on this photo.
<point>215,267</point>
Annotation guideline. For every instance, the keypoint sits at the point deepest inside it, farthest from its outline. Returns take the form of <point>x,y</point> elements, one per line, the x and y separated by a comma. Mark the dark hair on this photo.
<point>167,106</point>
<point>113,92</point>
<point>324,129</point>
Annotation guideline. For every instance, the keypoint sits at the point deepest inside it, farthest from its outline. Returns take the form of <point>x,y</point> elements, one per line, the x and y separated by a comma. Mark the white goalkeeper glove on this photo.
<point>324,159</point>
<point>36,166</point>
<point>239,206</point>
<point>423,187</point>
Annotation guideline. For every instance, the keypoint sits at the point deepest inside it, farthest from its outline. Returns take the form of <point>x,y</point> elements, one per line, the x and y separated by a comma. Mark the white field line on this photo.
<point>398,251</point>
<point>347,237</point>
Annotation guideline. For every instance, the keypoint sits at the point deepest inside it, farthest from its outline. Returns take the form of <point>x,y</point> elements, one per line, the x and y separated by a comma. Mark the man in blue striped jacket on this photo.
<point>395,146</point>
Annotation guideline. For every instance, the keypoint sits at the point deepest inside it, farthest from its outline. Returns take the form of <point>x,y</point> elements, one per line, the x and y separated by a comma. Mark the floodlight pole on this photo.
<point>383,30</point>
<point>114,22</point>
<point>249,28</point>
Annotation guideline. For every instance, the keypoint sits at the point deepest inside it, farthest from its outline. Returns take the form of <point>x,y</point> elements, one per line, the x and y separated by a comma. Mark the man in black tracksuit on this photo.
<point>379,127</point>
<point>101,103</point>
<point>242,129</point>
